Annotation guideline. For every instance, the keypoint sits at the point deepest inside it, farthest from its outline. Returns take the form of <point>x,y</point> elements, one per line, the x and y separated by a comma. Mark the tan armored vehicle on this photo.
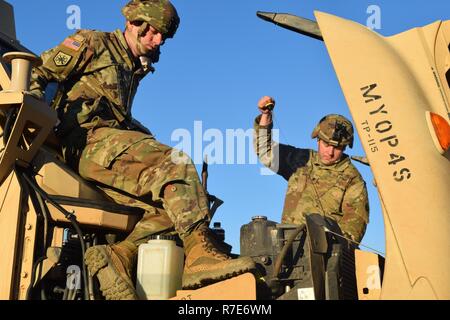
<point>397,89</point>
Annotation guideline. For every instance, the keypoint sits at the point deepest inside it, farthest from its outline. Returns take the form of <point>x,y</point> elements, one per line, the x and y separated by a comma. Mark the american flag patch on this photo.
<point>72,44</point>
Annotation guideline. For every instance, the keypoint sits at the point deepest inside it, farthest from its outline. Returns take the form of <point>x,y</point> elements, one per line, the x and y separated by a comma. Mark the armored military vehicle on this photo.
<point>397,89</point>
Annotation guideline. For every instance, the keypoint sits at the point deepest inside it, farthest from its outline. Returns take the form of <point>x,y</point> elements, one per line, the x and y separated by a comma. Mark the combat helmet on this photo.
<point>335,130</point>
<point>160,14</point>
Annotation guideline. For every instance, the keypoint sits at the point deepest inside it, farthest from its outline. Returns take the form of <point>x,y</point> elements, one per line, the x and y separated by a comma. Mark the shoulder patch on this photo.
<point>73,43</point>
<point>62,59</point>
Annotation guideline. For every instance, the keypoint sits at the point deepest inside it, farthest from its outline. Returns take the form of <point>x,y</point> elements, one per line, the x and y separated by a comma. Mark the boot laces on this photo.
<point>210,247</point>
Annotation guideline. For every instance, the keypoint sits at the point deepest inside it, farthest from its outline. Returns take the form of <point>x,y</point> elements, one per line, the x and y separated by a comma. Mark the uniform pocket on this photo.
<point>106,144</point>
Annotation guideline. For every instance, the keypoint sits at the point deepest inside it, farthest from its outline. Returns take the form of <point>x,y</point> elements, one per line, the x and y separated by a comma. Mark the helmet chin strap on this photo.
<point>143,29</point>
<point>142,51</point>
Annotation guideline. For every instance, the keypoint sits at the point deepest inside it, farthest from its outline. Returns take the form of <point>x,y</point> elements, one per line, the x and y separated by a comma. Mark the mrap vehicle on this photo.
<point>397,90</point>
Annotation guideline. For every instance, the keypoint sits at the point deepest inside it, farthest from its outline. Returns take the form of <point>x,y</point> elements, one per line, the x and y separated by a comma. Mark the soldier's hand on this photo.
<point>266,105</point>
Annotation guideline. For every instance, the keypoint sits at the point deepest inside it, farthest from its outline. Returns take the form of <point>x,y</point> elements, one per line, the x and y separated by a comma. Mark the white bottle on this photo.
<point>159,269</point>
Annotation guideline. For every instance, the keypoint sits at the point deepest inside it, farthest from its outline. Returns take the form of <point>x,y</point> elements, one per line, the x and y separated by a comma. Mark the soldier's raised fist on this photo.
<point>266,104</point>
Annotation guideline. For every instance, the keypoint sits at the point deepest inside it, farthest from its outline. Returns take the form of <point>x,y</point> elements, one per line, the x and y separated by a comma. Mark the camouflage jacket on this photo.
<point>337,191</point>
<point>97,79</point>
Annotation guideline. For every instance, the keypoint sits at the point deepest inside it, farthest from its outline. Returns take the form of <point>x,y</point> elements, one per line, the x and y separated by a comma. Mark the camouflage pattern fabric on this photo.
<point>97,79</point>
<point>155,220</point>
<point>138,165</point>
<point>160,14</point>
<point>337,191</point>
<point>335,130</point>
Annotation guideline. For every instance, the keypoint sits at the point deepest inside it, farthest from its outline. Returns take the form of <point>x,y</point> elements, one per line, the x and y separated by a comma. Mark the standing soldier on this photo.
<point>97,75</point>
<point>325,181</point>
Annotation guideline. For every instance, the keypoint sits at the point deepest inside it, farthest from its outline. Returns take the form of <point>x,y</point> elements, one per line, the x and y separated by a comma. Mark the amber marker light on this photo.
<point>442,130</point>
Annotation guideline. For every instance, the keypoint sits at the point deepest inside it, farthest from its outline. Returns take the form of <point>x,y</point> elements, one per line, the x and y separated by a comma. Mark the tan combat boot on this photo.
<point>206,264</point>
<point>112,264</point>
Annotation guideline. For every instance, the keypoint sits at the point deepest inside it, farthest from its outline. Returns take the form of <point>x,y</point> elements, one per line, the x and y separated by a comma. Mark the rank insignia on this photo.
<point>62,59</point>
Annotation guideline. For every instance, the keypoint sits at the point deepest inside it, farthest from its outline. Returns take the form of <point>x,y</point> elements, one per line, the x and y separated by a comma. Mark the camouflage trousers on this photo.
<point>134,169</point>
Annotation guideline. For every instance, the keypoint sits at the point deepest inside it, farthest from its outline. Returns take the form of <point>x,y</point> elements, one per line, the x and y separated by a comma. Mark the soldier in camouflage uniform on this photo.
<point>97,75</point>
<point>325,181</point>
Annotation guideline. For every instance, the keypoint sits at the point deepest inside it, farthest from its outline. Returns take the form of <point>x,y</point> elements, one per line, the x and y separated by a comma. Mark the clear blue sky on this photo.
<point>221,61</point>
